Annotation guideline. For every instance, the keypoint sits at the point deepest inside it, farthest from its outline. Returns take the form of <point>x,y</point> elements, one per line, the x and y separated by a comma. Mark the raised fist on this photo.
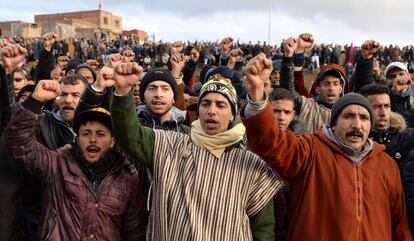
<point>290,46</point>
<point>126,75</point>
<point>177,63</point>
<point>129,56</point>
<point>12,55</point>
<point>46,90</point>
<point>93,63</point>
<point>63,61</point>
<point>400,83</point>
<point>305,41</point>
<point>226,44</point>
<point>114,60</point>
<point>256,72</point>
<point>369,48</point>
<point>104,79</point>
<point>177,47</point>
<point>48,40</point>
<point>194,55</point>
<point>235,55</point>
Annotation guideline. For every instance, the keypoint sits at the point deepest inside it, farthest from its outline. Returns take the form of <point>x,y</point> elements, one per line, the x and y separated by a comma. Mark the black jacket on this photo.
<point>398,141</point>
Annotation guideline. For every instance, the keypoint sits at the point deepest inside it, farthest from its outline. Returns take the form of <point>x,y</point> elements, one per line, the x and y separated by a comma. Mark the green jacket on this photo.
<point>139,142</point>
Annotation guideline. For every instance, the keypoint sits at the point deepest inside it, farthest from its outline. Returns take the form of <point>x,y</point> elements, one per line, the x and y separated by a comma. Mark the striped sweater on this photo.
<point>199,197</point>
<point>195,196</point>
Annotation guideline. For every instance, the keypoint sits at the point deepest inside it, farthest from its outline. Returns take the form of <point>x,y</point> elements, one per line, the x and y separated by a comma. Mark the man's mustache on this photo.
<point>354,132</point>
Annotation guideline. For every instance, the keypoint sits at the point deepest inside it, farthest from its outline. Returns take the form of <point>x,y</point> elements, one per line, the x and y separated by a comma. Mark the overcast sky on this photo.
<point>337,21</point>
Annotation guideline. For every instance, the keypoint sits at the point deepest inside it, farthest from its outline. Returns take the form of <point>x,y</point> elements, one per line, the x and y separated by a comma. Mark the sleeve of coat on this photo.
<point>136,216</point>
<point>137,140</point>
<point>399,223</point>
<point>263,224</point>
<point>20,138</point>
<point>45,66</point>
<point>408,180</point>
<point>287,153</point>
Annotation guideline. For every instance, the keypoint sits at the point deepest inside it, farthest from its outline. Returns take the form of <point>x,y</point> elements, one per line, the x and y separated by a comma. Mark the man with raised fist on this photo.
<point>329,85</point>
<point>339,179</point>
<point>204,181</point>
<point>92,191</point>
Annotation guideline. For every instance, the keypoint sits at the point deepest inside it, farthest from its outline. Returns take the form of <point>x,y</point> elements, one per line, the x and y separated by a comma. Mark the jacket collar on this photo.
<point>326,135</point>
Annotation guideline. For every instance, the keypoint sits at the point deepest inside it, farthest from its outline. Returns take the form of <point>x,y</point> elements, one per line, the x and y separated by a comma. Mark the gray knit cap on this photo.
<point>351,99</point>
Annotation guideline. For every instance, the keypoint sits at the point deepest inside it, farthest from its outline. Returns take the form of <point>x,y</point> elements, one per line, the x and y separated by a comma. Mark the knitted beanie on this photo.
<point>222,87</point>
<point>351,99</point>
<point>158,74</point>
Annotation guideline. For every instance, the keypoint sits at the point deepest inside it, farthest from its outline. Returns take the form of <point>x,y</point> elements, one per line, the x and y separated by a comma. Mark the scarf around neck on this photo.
<point>216,144</point>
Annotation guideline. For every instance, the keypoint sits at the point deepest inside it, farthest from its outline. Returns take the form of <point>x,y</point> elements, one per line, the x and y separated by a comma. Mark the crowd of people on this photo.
<point>114,140</point>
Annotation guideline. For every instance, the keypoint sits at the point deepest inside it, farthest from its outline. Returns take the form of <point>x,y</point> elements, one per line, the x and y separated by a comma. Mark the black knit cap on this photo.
<point>158,74</point>
<point>351,99</point>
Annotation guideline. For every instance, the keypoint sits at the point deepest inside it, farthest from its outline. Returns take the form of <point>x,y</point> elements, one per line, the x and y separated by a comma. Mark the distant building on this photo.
<point>137,35</point>
<point>89,24</point>
<point>20,29</point>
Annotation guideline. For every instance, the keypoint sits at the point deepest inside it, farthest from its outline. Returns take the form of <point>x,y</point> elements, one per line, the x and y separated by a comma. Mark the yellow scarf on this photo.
<point>216,144</point>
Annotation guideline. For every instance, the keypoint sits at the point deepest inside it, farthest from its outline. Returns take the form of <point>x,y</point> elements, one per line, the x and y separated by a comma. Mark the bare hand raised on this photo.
<point>12,55</point>
<point>126,75</point>
<point>305,41</point>
<point>114,60</point>
<point>256,72</point>
<point>46,90</point>
<point>48,40</point>
<point>104,79</point>
<point>369,48</point>
<point>290,46</point>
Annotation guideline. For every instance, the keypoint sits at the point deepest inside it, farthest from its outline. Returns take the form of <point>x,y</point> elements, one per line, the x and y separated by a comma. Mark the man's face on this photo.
<point>159,98</point>
<point>69,99</point>
<point>275,77</point>
<point>399,79</point>
<point>284,112</point>
<point>94,140</point>
<point>329,89</point>
<point>87,74</point>
<point>352,126</point>
<point>215,113</point>
<point>382,111</point>
<point>25,95</point>
<point>19,82</point>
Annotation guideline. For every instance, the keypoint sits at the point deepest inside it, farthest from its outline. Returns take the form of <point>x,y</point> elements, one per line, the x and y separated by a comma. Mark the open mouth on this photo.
<point>68,109</point>
<point>210,123</point>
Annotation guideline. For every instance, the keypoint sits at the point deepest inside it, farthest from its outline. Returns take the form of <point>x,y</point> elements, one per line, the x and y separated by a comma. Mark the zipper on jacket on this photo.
<point>359,192</point>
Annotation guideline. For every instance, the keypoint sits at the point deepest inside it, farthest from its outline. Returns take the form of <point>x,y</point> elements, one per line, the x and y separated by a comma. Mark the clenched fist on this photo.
<point>93,63</point>
<point>63,61</point>
<point>114,60</point>
<point>290,46</point>
<point>57,74</point>
<point>129,56</point>
<point>369,48</point>
<point>12,55</point>
<point>256,72</point>
<point>177,47</point>
<point>305,41</point>
<point>46,90</point>
<point>126,75</point>
<point>177,64</point>
<point>104,79</point>
<point>48,40</point>
<point>226,44</point>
